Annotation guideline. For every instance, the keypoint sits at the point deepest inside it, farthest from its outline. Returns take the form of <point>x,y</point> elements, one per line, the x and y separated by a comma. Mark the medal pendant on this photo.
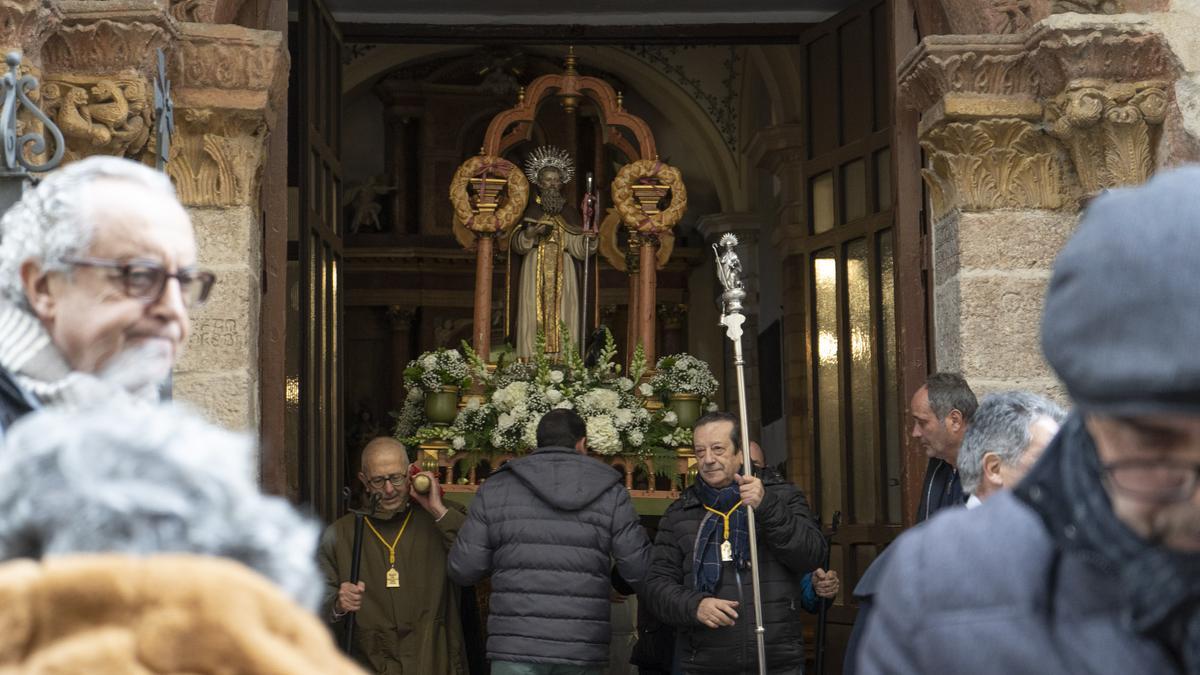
<point>726,551</point>
<point>393,578</point>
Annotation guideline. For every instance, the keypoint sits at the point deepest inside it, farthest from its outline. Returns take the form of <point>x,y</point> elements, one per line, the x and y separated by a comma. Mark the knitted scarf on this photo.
<point>1161,588</point>
<point>706,556</point>
<point>38,367</point>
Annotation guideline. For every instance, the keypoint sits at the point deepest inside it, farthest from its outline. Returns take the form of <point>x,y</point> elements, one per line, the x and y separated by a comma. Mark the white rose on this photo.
<point>505,421</point>
<point>459,442</point>
<point>553,395</point>
<point>645,389</point>
<point>429,362</point>
<point>636,437</point>
<point>565,405</point>
<point>556,376</point>
<point>602,435</point>
<point>711,407</point>
<point>625,383</point>
<point>473,403</point>
<point>623,417</point>
<point>671,418</point>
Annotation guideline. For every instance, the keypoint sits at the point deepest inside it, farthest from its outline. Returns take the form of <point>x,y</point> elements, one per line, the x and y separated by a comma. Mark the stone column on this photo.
<point>746,227</point>
<point>223,78</point>
<point>673,318</point>
<point>401,319</point>
<point>1018,130</point>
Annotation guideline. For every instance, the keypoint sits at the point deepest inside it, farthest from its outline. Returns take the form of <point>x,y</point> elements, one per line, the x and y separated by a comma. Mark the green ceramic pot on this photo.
<point>686,407</point>
<point>441,407</point>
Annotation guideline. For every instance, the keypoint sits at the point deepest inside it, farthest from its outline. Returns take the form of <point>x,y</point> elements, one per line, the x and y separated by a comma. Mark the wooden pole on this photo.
<point>482,326</point>
<point>647,289</point>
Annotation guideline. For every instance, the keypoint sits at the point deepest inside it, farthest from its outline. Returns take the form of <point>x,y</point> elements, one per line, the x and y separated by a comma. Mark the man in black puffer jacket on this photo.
<point>548,528</point>
<point>704,589</point>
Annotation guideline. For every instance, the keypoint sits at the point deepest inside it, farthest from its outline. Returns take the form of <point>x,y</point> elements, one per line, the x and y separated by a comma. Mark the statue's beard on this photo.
<point>553,201</point>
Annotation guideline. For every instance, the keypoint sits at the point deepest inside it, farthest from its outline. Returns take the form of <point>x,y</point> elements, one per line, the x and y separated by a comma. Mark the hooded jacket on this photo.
<point>548,528</point>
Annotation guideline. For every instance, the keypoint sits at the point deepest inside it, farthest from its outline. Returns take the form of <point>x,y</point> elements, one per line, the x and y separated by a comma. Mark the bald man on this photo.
<point>407,611</point>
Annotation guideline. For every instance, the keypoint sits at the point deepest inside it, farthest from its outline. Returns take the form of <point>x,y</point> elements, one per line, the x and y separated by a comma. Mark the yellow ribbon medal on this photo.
<point>393,577</point>
<point>726,545</point>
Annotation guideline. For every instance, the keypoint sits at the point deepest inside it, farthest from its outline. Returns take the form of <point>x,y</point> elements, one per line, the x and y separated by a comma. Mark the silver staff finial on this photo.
<point>729,271</point>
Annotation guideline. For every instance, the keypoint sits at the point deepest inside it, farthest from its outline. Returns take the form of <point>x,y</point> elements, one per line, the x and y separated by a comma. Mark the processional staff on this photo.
<point>729,271</point>
<point>588,211</point>
<point>355,560</point>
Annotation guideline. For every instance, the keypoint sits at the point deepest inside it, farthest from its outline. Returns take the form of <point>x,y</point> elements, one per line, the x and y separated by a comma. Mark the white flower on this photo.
<point>602,435</point>
<point>671,418</point>
<point>530,434</point>
<point>623,416</point>
<point>636,437</point>
<point>429,362</point>
<point>553,395</point>
<point>459,442</point>
<point>472,403</point>
<point>564,405</point>
<point>505,421</point>
<point>625,383</point>
<point>711,407</point>
<point>556,376</point>
<point>645,389</point>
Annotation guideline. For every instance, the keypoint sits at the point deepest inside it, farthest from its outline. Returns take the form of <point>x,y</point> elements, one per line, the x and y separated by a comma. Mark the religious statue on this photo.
<point>364,200</point>
<point>551,238</point>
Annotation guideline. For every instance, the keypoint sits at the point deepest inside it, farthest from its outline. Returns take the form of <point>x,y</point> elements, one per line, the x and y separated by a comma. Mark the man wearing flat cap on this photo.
<point>1092,564</point>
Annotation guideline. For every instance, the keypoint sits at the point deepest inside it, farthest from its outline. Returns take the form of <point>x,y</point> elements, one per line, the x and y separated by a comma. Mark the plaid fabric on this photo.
<point>706,555</point>
<point>1161,587</point>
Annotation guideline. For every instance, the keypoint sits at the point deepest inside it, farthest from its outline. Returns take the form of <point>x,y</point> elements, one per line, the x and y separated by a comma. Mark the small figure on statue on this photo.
<point>551,237</point>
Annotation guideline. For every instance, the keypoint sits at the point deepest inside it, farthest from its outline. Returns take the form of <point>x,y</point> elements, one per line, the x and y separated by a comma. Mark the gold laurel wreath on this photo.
<point>627,206</point>
<point>516,194</point>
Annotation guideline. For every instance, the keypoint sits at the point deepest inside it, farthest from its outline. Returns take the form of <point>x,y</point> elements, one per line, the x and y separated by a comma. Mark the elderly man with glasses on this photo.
<point>97,275</point>
<point>1091,564</point>
<point>407,611</point>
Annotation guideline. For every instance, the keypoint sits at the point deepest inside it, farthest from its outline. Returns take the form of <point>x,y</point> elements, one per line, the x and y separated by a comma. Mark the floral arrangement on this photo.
<point>683,374</point>
<point>436,369</point>
<point>504,417</point>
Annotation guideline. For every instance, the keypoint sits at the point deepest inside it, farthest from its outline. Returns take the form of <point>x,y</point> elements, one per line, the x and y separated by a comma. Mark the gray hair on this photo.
<point>143,479</point>
<point>950,391</point>
<point>1002,425</point>
<point>51,221</point>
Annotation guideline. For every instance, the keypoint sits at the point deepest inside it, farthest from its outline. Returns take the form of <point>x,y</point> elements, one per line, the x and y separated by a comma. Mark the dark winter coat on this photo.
<point>940,489</point>
<point>790,545</point>
<point>14,402</point>
<point>548,527</point>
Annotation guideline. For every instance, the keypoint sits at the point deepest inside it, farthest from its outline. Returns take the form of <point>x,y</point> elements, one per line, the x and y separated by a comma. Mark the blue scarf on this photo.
<point>706,556</point>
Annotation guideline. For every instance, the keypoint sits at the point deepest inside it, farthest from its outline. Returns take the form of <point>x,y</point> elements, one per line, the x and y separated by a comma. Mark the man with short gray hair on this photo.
<point>1007,436</point>
<point>97,275</point>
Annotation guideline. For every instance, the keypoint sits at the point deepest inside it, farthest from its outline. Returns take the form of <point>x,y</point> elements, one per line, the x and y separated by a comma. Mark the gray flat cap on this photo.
<point>1121,324</point>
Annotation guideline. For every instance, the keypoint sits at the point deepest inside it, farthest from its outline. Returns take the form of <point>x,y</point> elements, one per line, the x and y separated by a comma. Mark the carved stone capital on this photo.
<point>104,38</point>
<point>776,147</point>
<point>25,27</point>
<point>977,17</point>
<point>991,164</point>
<point>969,77</point>
<point>100,115</point>
<point>216,156</point>
<point>1062,55</point>
<point>1110,129</point>
<point>401,318</point>
<point>672,315</point>
<point>206,11</point>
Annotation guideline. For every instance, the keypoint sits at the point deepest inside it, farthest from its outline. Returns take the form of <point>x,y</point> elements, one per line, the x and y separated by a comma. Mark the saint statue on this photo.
<point>551,238</point>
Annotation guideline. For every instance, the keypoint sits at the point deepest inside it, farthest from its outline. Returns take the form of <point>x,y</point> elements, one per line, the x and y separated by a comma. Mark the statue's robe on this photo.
<point>549,289</point>
<point>415,628</point>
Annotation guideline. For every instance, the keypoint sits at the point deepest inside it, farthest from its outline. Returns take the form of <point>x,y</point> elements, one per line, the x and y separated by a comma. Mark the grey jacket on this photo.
<point>548,527</point>
<point>988,591</point>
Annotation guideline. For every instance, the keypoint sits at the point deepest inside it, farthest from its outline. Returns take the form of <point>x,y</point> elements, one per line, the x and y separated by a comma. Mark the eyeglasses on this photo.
<point>146,279</point>
<point>1152,480</point>
<point>396,479</point>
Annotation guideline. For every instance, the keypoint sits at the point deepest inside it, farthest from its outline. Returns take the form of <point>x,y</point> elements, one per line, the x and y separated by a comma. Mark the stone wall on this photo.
<point>1020,128</point>
<point>97,62</point>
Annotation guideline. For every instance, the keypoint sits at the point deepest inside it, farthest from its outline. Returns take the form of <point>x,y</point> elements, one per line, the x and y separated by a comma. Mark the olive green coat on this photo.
<point>415,628</point>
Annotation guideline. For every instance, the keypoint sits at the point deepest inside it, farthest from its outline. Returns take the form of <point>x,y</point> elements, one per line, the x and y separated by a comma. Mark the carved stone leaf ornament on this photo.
<point>214,160</point>
<point>990,164</point>
<point>1109,129</point>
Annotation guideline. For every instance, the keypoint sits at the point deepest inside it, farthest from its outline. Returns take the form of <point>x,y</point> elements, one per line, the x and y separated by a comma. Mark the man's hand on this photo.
<point>432,501</point>
<point>715,612</point>
<point>826,584</point>
<point>349,597</point>
<point>751,490</point>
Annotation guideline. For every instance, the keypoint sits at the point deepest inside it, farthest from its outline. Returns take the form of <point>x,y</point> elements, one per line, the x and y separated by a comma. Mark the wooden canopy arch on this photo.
<point>516,124</point>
